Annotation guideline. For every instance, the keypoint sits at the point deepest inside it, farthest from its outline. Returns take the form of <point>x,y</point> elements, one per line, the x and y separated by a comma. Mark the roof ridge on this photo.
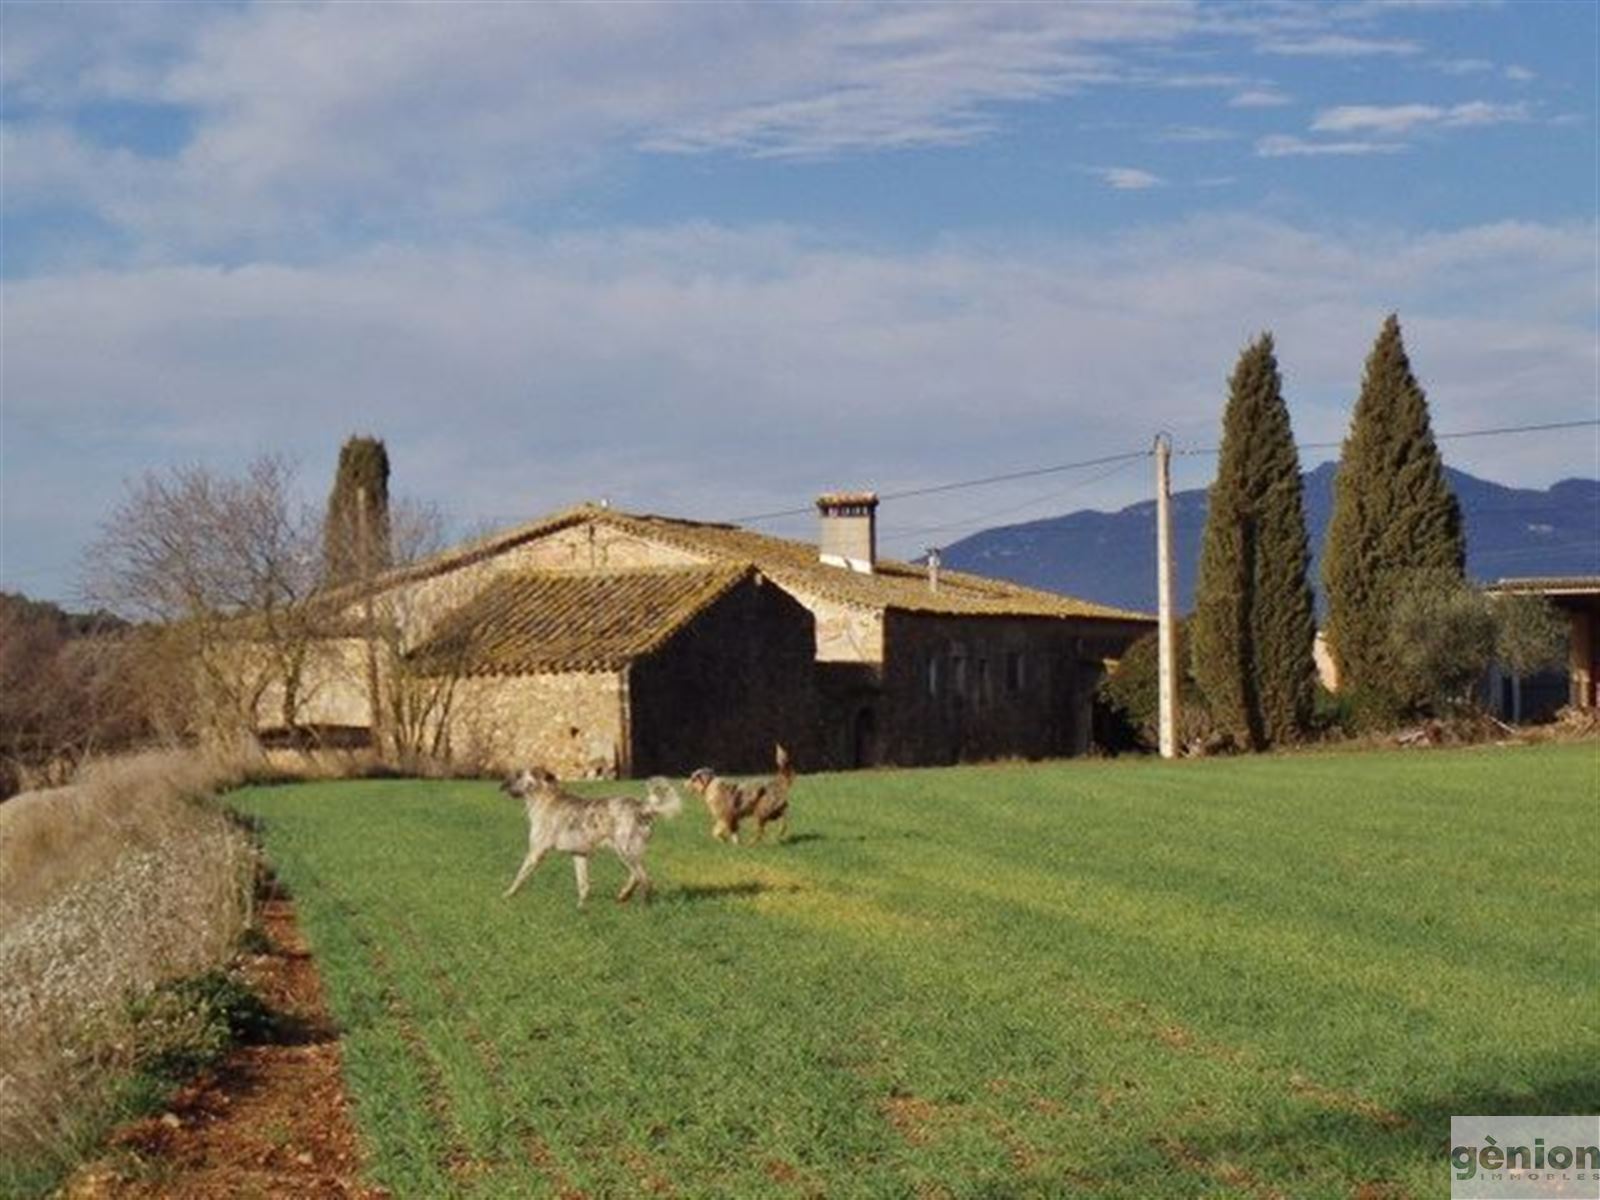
<point>783,559</point>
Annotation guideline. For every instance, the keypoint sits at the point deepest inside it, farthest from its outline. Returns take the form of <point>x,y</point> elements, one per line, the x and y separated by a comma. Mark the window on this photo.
<point>933,675</point>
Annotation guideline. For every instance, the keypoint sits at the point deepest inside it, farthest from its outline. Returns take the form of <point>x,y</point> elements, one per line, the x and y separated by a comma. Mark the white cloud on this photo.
<point>1126,179</point>
<point>1463,66</point>
<point>308,117</point>
<point>1282,145</point>
<point>1193,134</point>
<point>1519,74</point>
<point>1259,98</point>
<point>1403,118</point>
<point>1339,45</point>
<point>714,372</point>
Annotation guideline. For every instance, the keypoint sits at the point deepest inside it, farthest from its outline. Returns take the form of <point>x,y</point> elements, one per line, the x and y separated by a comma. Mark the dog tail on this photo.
<point>785,767</point>
<point>661,799</point>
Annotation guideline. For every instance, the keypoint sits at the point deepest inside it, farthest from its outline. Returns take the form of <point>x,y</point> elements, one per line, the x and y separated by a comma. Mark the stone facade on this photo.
<point>845,668</point>
<point>959,689</point>
<point>417,606</point>
<point>331,691</point>
<point>571,722</point>
<point>725,688</point>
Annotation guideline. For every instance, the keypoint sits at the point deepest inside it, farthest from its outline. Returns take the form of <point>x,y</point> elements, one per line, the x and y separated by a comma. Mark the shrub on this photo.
<point>1441,639</point>
<point>111,889</point>
<point>1132,695</point>
<point>184,1025</point>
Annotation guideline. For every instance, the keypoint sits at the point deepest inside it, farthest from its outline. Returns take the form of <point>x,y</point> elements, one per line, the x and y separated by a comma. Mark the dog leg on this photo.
<point>633,860</point>
<point>528,864</point>
<point>580,868</point>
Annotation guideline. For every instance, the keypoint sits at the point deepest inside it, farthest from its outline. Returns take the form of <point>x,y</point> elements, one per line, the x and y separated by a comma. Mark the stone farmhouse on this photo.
<point>602,642</point>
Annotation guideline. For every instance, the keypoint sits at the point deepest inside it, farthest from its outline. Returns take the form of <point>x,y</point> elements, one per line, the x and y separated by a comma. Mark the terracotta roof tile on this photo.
<point>893,584</point>
<point>560,621</point>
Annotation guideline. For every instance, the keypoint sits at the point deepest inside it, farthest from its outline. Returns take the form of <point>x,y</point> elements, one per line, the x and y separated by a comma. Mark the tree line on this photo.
<point>1407,634</point>
<point>213,599</point>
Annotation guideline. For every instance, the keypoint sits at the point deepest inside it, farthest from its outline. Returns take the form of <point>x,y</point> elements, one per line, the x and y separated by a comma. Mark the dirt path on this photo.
<point>272,1121</point>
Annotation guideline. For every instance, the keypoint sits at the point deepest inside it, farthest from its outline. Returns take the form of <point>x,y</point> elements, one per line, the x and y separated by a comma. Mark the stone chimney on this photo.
<point>849,530</point>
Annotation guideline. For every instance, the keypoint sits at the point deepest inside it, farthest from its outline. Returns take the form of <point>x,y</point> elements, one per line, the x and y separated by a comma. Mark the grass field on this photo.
<point>1273,976</point>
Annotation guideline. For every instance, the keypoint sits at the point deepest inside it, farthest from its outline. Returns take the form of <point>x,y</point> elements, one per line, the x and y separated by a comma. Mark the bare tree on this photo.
<point>411,698</point>
<point>417,695</point>
<point>63,690</point>
<point>222,567</point>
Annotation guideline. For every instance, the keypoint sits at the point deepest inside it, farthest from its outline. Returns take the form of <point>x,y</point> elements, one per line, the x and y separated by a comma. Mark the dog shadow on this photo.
<point>695,892</point>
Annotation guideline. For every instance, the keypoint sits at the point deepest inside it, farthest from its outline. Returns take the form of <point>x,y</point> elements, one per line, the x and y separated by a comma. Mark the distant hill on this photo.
<point>1111,557</point>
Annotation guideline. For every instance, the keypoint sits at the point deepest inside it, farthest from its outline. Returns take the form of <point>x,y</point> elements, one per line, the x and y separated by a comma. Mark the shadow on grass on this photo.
<point>1375,1148</point>
<point>695,892</point>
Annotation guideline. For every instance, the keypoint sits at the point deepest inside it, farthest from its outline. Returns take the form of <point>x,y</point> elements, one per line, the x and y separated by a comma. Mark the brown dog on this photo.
<point>730,803</point>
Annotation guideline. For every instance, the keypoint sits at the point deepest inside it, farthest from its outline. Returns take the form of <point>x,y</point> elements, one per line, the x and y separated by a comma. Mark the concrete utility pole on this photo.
<point>1166,637</point>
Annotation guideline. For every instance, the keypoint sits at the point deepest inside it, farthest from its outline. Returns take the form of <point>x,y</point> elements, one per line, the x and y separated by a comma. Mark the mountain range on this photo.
<point>1111,556</point>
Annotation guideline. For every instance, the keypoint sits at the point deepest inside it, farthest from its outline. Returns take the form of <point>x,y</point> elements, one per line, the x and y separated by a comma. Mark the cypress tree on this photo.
<point>363,471</point>
<point>1394,516</point>
<point>1253,623</point>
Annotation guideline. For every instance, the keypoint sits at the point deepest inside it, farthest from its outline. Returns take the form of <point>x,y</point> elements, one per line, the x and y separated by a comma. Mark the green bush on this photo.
<point>1441,640</point>
<point>1131,694</point>
<point>188,1024</point>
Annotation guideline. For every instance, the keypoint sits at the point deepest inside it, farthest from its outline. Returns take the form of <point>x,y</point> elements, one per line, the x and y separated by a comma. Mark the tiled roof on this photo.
<point>546,620</point>
<point>892,584</point>
<point>793,565</point>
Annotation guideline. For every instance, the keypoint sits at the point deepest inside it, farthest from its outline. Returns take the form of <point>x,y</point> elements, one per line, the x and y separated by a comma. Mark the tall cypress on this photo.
<point>349,549</point>
<point>1393,515</point>
<point>1253,624</point>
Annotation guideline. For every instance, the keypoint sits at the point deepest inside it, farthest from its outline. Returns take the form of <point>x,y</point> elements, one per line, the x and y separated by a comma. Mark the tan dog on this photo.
<point>578,825</point>
<point>730,803</point>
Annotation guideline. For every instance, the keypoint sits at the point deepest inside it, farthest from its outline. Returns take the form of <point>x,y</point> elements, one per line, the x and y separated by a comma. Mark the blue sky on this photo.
<point>712,259</point>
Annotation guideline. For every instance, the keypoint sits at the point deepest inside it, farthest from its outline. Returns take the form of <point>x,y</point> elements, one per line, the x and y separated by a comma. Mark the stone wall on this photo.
<point>961,689</point>
<point>571,722</point>
<point>332,688</point>
<point>738,678</point>
<point>419,605</point>
<point>845,633</point>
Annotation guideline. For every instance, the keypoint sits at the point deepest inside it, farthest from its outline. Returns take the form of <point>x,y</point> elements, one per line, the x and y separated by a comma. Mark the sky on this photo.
<point>710,260</point>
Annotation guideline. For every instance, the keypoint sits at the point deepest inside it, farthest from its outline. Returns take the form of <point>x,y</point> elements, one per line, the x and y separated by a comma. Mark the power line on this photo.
<point>964,483</point>
<point>1438,437</point>
<point>1107,459</point>
<point>895,535</point>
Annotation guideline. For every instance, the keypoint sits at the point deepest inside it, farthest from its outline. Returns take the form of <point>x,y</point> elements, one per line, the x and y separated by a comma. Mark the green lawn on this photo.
<point>1236,977</point>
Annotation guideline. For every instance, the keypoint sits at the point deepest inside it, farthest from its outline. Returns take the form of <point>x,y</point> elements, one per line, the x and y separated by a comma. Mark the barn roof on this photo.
<point>793,565</point>
<point>554,621</point>
<point>892,584</point>
<point>1549,585</point>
